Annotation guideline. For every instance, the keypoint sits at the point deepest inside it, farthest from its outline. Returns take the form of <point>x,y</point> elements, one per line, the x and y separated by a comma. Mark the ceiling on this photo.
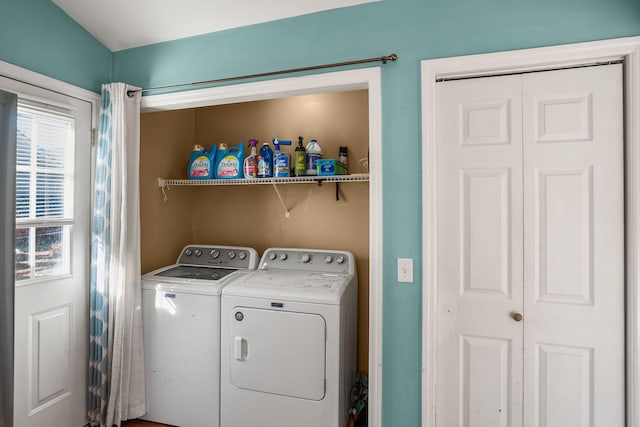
<point>123,24</point>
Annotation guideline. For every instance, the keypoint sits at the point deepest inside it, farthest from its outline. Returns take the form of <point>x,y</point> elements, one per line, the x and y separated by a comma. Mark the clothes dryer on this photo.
<point>289,341</point>
<point>181,320</point>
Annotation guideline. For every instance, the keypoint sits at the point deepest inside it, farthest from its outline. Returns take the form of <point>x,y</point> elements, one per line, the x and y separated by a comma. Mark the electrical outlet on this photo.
<point>405,270</point>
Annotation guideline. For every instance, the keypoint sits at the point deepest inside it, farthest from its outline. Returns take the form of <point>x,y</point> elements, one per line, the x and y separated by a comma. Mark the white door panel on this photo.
<point>480,254</point>
<point>530,221</point>
<point>50,333</point>
<point>574,253</point>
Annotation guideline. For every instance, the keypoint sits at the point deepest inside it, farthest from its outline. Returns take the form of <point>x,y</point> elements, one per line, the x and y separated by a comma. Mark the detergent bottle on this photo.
<point>202,162</point>
<point>265,161</point>
<point>314,153</point>
<point>251,163</point>
<point>300,164</point>
<point>281,160</point>
<point>229,162</point>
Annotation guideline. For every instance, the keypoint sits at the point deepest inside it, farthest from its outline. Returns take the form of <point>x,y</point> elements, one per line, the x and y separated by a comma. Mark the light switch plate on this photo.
<point>405,270</point>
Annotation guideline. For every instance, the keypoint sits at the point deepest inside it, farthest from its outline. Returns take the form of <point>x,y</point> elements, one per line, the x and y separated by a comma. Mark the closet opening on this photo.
<point>337,109</point>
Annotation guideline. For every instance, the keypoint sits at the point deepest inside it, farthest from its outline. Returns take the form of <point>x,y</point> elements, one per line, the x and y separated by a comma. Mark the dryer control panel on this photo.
<point>318,260</point>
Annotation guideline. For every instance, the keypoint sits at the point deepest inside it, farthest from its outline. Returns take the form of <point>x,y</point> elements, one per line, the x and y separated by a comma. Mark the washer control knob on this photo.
<point>305,257</point>
<point>273,256</point>
<point>242,255</point>
<point>283,257</point>
<point>231,255</point>
<point>197,252</point>
<point>214,253</point>
<point>328,259</point>
<point>340,259</point>
<point>188,252</point>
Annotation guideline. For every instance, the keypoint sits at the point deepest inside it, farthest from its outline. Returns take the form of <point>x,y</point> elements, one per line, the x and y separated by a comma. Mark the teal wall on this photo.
<point>39,36</point>
<point>35,34</point>
<point>415,30</point>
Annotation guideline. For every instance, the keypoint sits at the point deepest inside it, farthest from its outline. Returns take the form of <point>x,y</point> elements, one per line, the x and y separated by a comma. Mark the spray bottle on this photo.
<point>300,166</point>
<point>281,160</point>
<point>250,166</point>
<point>265,161</point>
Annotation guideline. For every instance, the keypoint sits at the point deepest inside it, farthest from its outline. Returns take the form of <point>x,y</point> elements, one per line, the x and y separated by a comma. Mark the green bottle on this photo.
<point>301,159</point>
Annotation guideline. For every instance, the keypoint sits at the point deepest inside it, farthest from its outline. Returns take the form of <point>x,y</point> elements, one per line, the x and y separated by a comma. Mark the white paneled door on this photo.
<point>530,265</point>
<point>52,257</point>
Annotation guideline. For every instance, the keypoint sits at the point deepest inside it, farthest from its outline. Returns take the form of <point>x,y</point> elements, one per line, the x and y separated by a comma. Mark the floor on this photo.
<point>140,423</point>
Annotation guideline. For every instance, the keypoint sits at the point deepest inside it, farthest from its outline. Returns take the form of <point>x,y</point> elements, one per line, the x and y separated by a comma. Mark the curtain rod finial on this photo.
<point>393,57</point>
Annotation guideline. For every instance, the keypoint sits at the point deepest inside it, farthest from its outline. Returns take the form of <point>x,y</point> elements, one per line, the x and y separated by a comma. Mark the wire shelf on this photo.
<point>361,177</point>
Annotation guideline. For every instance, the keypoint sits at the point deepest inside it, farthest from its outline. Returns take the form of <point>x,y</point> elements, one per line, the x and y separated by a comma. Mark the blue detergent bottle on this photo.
<point>202,161</point>
<point>229,162</point>
<point>281,160</point>
<point>265,162</point>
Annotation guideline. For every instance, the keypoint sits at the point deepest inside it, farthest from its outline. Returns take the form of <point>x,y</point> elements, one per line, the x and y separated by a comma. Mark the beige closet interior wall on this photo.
<point>252,215</point>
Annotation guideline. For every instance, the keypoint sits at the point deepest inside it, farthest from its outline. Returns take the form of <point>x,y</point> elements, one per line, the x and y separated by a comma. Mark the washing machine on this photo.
<point>181,321</point>
<point>289,341</point>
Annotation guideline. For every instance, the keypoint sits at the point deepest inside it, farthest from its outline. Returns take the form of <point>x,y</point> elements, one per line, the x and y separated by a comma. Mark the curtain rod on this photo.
<point>383,59</point>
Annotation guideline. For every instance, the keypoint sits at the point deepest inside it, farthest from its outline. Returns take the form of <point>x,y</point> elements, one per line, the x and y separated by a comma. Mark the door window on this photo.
<point>44,192</point>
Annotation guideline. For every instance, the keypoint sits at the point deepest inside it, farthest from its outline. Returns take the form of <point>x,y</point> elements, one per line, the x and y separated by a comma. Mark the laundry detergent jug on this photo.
<point>229,162</point>
<point>202,162</point>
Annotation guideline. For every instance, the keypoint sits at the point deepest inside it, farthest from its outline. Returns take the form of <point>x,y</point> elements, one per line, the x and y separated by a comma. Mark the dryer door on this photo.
<point>278,352</point>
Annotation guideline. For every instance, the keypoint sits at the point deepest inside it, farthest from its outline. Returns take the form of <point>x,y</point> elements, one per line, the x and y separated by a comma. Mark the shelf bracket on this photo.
<point>284,206</point>
<point>337,191</point>
<point>163,185</point>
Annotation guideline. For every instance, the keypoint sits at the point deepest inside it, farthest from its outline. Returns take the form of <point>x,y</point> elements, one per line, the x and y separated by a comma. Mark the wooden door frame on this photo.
<point>626,49</point>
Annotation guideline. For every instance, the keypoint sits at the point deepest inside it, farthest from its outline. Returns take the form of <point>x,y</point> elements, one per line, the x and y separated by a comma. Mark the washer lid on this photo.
<point>193,272</point>
<point>190,279</point>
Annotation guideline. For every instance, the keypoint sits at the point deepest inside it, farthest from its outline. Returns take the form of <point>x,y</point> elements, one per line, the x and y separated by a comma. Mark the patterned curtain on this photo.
<point>116,359</point>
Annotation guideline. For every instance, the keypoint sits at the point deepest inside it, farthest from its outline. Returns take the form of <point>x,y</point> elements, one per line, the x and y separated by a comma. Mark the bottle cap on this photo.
<point>222,146</point>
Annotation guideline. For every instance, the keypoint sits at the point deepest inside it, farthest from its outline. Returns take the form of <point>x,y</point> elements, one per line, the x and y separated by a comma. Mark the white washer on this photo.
<point>181,319</point>
<point>289,341</point>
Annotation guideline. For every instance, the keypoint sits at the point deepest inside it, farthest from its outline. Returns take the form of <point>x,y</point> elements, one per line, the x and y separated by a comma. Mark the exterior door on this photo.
<point>8,113</point>
<point>530,250</point>
<point>52,257</point>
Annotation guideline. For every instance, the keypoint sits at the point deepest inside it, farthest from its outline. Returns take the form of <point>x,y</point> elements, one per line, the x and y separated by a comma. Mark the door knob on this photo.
<point>516,316</point>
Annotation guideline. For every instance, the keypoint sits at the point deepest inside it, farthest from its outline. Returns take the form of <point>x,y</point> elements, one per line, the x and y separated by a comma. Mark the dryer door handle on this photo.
<point>240,348</point>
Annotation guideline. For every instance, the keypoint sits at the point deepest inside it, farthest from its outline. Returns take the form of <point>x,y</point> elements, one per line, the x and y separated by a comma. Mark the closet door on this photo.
<point>479,377</point>
<point>530,250</point>
<point>574,247</point>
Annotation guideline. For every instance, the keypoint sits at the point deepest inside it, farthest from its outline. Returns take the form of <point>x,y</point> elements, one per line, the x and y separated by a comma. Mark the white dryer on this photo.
<point>289,341</point>
<point>181,320</point>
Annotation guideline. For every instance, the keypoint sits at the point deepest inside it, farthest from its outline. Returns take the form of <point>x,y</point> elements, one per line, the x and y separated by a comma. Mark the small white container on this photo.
<point>314,153</point>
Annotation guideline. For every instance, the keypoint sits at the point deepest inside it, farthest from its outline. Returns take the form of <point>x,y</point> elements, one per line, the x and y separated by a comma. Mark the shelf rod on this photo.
<point>384,59</point>
<point>286,210</point>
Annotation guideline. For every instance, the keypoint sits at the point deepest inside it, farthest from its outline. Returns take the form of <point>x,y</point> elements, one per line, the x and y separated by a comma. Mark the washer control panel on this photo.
<point>325,261</point>
<point>220,256</point>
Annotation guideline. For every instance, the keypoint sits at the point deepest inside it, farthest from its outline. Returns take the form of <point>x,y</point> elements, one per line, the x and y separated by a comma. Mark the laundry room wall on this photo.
<point>252,215</point>
<point>166,140</point>
<point>415,30</point>
<point>39,36</point>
